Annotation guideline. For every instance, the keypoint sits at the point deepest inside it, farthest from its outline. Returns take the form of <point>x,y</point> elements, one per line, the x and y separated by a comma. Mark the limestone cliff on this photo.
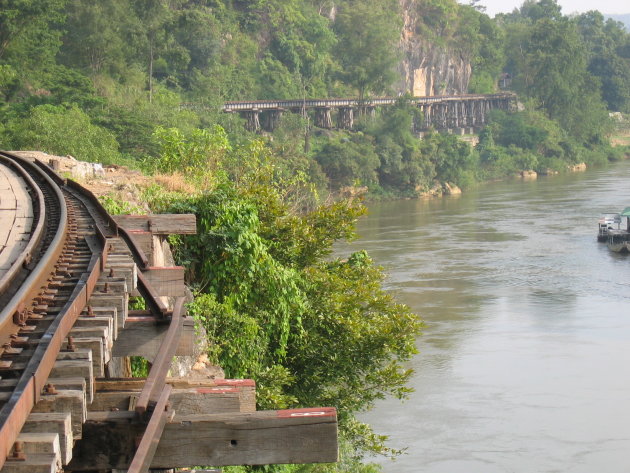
<point>427,68</point>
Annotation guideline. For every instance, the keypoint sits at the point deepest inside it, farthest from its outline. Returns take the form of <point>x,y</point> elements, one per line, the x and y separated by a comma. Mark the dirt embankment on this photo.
<point>116,181</point>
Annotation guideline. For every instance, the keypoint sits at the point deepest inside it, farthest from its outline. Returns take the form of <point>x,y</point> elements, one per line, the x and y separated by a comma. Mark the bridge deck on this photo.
<point>346,102</point>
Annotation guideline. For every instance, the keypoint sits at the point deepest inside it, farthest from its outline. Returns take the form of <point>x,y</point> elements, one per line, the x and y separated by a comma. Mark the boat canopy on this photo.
<point>610,218</point>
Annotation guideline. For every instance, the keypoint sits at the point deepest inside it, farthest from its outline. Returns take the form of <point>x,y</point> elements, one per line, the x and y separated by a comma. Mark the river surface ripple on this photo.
<point>525,360</point>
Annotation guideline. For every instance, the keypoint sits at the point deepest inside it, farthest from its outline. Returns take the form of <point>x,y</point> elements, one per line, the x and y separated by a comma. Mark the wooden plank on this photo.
<point>41,442</point>
<point>144,240</point>
<point>142,336</point>
<point>159,224</point>
<point>76,368</point>
<point>110,313</point>
<point>34,463</point>
<point>166,281</point>
<point>257,438</point>
<point>66,400</point>
<point>151,438</point>
<point>119,301</point>
<point>100,355</point>
<point>57,422</point>
<point>197,400</point>
<point>135,384</point>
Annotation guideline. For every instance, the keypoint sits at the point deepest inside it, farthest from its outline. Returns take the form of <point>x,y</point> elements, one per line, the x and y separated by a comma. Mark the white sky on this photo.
<point>568,6</point>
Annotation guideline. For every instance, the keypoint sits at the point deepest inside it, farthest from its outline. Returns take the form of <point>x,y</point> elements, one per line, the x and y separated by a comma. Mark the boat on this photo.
<point>606,222</point>
<point>618,241</point>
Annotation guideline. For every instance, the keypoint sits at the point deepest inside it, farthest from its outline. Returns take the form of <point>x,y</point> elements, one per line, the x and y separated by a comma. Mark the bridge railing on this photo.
<point>259,105</point>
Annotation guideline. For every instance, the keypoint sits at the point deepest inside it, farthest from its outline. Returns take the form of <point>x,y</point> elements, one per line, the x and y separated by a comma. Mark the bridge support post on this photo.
<point>323,118</point>
<point>418,121</point>
<point>442,113</point>
<point>252,119</point>
<point>452,115</point>
<point>483,111</point>
<point>271,119</point>
<point>428,116</point>
<point>366,110</point>
<point>345,118</point>
<point>474,114</point>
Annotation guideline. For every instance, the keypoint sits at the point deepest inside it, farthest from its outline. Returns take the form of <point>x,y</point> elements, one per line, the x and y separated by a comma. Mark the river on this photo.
<point>525,359</point>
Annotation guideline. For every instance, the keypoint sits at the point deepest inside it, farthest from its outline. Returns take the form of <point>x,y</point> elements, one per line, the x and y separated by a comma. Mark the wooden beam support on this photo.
<point>159,224</point>
<point>144,240</point>
<point>152,298</point>
<point>257,438</point>
<point>142,336</point>
<point>166,281</point>
<point>185,401</point>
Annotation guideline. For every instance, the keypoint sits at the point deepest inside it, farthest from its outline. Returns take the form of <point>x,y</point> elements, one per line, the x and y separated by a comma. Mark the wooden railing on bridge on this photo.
<point>441,112</point>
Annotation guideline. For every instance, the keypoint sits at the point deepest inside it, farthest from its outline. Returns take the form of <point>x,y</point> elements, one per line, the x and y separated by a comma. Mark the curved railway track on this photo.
<point>67,270</point>
<point>44,291</point>
<point>46,285</point>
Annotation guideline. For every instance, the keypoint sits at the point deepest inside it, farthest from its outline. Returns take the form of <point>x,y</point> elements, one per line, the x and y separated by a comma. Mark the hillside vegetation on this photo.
<point>106,81</point>
<point>118,70</point>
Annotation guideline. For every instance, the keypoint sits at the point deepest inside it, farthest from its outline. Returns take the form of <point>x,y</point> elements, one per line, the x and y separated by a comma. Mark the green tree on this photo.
<point>368,33</point>
<point>57,130</point>
<point>348,161</point>
<point>24,22</point>
<point>604,41</point>
<point>269,296</point>
<point>549,65</point>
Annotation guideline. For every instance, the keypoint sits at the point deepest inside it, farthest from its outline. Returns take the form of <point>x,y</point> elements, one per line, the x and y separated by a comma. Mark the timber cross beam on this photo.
<point>251,438</point>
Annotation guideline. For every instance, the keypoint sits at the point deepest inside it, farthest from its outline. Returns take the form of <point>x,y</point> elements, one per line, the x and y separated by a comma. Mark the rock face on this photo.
<point>426,68</point>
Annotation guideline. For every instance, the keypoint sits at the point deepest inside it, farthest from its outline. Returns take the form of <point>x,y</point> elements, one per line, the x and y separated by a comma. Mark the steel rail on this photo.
<point>37,279</point>
<point>37,234</point>
<point>32,378</point>
<point>156,379</point>
<point>157,307</point>
<point>14,413</point>
<point>110,227</point>
<point>151,438</point>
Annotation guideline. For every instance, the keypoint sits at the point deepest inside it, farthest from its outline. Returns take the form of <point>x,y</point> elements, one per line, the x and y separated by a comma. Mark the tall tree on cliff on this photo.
<point>548,60</point>
<point>367,33</point>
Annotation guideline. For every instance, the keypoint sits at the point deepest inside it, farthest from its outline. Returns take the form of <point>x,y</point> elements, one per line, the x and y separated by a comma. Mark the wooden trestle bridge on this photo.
<point>67,271</point>
<point>445,112</point>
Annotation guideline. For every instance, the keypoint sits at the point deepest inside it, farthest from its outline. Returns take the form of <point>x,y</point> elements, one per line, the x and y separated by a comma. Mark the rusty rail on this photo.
<point>157,375</point>
<point>36,235</point>
<point>14,413</point>
<point>31,379</point>
<point>151,438</point>
<point>38,276</point>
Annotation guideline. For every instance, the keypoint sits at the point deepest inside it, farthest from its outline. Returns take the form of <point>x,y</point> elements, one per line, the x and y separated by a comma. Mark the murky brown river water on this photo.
<point>525,359</point>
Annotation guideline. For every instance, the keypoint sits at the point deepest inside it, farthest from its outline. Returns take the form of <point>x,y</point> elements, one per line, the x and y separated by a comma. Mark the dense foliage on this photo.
<point>310,329</point>
<point>125,73</point>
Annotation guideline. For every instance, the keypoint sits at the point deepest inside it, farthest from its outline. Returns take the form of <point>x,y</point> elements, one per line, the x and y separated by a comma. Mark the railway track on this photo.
<point>44,291</point>
<point>67,271</point>
<point>47,285</point>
